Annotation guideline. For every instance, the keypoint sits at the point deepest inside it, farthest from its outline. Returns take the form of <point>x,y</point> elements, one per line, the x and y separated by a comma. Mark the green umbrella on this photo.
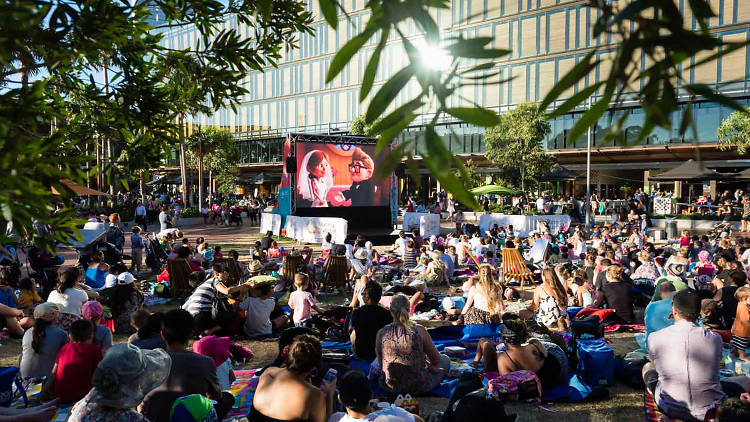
<point>494,189</point>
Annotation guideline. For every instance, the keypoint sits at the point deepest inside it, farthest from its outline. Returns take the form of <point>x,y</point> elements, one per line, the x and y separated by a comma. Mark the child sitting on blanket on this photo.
<point>260,307</point>
<point>217,348</point>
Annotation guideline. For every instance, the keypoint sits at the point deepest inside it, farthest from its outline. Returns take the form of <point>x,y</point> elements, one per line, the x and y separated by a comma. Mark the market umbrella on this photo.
<point>690,171</point>
<point>743,175</point>
<point>494,189</point>
<point>78,189</point>
<point>557,173</point>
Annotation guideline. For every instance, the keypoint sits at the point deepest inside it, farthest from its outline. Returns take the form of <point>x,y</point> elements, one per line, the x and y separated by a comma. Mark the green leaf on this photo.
<point>368,78</point>
<point>478,116</point>
<point>328,7</point>
<point>438,160</point>
<point>706,92</point>
<point>346,52</point>
<point>723,52</point>
<point>590,117</point>
<point>388,92</point>
<point>385,138</point>
<point>390,161</point>
<point>571,78</point>
<point>396,116</point>
<point>575,100</point>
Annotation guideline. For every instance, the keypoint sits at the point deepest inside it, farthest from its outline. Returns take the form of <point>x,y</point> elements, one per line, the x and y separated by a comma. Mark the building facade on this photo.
<point>547,38</point>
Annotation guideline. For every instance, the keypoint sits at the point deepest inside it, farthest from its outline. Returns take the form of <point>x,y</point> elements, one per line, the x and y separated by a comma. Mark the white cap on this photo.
<point>125,278</point>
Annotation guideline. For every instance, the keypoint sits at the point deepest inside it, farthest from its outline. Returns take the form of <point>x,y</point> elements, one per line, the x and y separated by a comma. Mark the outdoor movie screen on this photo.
<point>338,175</point>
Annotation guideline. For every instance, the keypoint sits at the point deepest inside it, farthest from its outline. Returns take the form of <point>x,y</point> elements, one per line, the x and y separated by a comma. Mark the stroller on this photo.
<point>45,268</point>
<point>155,255</point>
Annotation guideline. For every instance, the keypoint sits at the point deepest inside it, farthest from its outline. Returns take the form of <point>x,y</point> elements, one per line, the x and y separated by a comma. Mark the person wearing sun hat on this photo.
<point>94,311</point>
<point>41,343</point>
<point>120,381</point>
<point>359,263</point>
<point>675,271</point>
<point>217,348</point>
<point>255,268</point>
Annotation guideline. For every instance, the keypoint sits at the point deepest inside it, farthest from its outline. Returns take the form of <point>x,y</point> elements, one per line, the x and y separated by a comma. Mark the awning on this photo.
<point>78,189</point>
<point>166,180</point>
<point>558,173</point>
<point>690,171</point>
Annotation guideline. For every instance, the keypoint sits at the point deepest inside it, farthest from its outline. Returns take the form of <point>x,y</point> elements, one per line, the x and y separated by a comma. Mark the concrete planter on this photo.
<point>692,225</point>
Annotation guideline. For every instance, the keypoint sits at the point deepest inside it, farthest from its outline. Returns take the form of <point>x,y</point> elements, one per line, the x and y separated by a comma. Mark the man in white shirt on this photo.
<point>400,245</point>
<point>540,204</point>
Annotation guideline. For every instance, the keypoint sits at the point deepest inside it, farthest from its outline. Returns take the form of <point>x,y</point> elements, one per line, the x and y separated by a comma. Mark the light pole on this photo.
<point>589,135</point>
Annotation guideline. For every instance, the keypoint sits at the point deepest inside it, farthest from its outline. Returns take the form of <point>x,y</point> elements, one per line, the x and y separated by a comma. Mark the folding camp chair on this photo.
<point>335,272</point>
<point>231,268</point>
<point>514,267</point>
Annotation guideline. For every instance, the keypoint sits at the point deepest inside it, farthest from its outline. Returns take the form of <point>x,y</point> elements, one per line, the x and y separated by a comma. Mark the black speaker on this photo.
<point>291,164</point>
<point>400,170</point>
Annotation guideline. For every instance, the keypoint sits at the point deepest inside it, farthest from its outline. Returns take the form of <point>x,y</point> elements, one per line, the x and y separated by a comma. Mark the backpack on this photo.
<point>221,311</point>
<point>521,385</point>
<point>596,362</point>
<point>587,326</point>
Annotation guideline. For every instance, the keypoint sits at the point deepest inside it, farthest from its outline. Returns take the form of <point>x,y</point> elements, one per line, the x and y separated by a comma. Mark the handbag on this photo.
<point>221,311</point>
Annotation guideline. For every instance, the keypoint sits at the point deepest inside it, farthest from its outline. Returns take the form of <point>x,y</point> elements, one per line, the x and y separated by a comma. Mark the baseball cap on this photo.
<point>354,390</point>
<point>688,303</point>
<point>125,278</point>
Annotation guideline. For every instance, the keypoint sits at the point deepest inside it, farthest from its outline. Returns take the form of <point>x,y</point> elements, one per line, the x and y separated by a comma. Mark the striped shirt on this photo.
<point>202,298</point>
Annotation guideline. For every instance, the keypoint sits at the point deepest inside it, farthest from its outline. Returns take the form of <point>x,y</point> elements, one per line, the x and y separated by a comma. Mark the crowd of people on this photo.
<point>691,295</point>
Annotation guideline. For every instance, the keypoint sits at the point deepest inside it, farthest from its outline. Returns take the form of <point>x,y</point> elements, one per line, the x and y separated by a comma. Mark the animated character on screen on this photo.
<point>315,179</point>
<point>362,190</point>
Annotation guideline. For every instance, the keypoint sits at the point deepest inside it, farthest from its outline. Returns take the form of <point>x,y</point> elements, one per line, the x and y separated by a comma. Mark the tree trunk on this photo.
<point>143,187</point>
<point>200,171</point>
<point>183,170</point>
<point>523,176</point>
<point>211,184</point>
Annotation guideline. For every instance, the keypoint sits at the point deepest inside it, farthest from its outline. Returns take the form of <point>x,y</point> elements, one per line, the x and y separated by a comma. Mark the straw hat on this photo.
<point>255,266</point>
<point>47,311</point>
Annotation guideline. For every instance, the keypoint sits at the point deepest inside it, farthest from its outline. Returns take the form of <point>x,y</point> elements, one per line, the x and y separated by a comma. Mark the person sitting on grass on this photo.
<point>355,394</point>
<point>70,379</point>
<point>683,372</point>
<point>148,326</point>
<point>286,393</point>
<point>190,372</point>
<point>120,381</point>
<point>260,320</point>
<point>200,301</point>
<point>366,321</point>
<point>217,348</point>
<point>125,300</point>
<point>94,311</point>
<point>12,317</point>
<point>41,343</point>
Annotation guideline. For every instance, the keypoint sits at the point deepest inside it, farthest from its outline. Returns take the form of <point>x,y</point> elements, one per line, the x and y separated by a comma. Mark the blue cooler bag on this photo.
<point>596,362</point>
<point>8,378</point>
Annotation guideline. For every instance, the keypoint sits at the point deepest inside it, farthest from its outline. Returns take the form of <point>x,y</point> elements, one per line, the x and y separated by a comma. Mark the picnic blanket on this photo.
<point>32,392</point>
<point>243,390</point>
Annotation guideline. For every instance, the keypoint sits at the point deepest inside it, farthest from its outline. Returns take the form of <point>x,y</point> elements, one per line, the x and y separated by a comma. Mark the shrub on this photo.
<point>189,212</point>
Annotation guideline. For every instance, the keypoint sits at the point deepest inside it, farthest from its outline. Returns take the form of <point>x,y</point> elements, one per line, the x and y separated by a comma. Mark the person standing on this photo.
<point>164,218</point>
<point>140,215</point>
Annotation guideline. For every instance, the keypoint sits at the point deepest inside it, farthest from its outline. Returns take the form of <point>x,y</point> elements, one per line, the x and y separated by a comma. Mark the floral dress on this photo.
<point>89,411</point>
<point>404,363</point>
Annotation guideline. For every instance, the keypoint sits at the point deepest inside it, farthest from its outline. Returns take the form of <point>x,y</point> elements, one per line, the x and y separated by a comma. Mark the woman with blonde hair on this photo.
<point>406,356</point>
<point>436,273</point>
<point>550,302</point>
<point>484,302</point>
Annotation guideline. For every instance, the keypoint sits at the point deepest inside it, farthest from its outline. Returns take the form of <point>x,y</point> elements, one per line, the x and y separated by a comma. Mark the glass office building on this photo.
<point>547,38</point>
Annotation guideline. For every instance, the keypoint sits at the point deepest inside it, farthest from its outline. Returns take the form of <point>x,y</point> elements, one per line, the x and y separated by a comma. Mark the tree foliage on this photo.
<point>472,179</point>
<point>67,109</point>
<point>655,29</point>
<point>220,156</point>
<point>734,132</point>
<point>515,144</point>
